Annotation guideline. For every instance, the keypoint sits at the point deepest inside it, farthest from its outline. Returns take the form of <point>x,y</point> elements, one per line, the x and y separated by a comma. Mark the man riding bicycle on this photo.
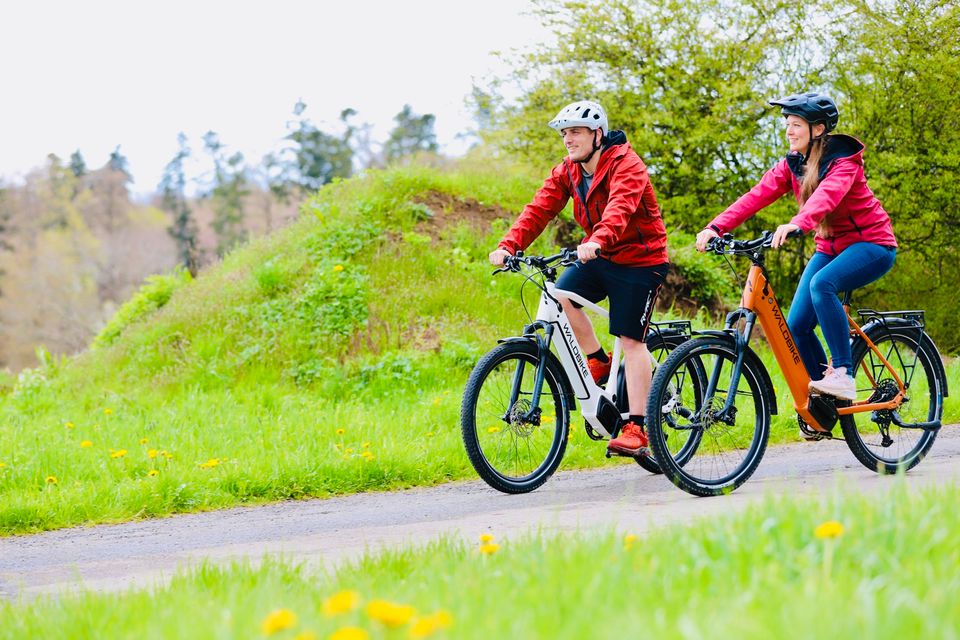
<point>623,255</point>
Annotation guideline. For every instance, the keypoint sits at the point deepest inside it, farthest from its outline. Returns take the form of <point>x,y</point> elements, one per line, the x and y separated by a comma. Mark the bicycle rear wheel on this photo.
<point>513,451</point>
<point>686,393</point>
<point>702,450</point>
<point>878,443</point>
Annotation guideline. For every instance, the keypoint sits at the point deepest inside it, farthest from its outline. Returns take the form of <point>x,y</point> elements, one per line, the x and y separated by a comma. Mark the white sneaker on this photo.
<point>835,383</point>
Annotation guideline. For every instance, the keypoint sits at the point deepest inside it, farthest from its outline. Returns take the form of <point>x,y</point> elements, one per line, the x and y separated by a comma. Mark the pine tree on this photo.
<point>174,200</point>
<point>412,133</point>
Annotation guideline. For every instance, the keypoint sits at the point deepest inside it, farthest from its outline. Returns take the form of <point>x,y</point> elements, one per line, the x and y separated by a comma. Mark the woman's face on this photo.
<point>798,133</point>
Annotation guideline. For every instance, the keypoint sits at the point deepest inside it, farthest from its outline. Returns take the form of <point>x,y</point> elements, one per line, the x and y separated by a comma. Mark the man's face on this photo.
<point>579,142</point>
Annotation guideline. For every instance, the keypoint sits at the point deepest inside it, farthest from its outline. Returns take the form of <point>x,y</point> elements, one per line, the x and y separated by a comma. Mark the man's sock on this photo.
<point>637,420</point>
<point>600,355</point>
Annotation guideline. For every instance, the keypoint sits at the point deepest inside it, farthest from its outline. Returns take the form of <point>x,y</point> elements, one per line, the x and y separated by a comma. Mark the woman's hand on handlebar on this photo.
<point>781,234</point>
<point>704,237</point>
<point>497,256</point>
<point>588,251</point>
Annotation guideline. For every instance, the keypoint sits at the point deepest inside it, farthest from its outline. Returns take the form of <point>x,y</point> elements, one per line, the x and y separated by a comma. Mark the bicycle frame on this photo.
<point>552,320</point>
<point>759,302</point>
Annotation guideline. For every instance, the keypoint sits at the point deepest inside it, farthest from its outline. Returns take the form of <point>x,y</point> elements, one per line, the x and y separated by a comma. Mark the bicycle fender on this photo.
<point>875,327</point>
<point>749,356</point>
<point>567,390</point>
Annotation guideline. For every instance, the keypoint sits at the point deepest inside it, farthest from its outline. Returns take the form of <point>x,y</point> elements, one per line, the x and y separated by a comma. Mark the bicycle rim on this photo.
<point>873,438</point>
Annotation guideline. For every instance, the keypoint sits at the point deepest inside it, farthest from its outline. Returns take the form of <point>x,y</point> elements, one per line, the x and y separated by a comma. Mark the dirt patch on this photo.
<point>449,211</point>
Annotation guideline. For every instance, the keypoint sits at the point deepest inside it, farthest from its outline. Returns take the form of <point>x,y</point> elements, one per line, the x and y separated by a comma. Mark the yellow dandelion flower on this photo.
<point>436,401</point>
<point>547,418</point>
<point>152,453</point>
<point>428,625</point>
<point>210,464</point>
<point>628,541</point>
<point>829,529</point>
<point>493,430</point>
<point>350,633</point>
<point>489,549</point>
<point>340,432</point>
<point>341,602</point>
<point>305,635</point>
<point>278,620</point>
<point>2,465</point>
<point>366,445</point>
<point>85,444</point>
<point>390,614</point>
<point>108,411</point>
<point>349,450</point>
<point>118,454</point>
<point>52,480</point>
<point>429,434</point>
<point>69,425</point>
<point>337,268</point>
<point>153,472</point>
<point>338,446</point>
<point>486,538</point>
<point>144,441</point>
<point>166,454</point>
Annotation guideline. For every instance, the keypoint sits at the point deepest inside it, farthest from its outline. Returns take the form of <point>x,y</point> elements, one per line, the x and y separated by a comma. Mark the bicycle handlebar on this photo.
<point>566,257</point>
<point>727,244</point>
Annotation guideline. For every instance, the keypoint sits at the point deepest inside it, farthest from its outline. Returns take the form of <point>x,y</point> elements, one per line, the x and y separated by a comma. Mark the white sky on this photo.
<point>93,74</point>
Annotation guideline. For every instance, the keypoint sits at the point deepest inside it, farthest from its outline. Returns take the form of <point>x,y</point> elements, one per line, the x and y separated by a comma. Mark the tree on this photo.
<point>77,164</point>
<point>227,194</point>
<point>318,157</point>
<point>183,230</point>
<point>903,104</point>
<point>412,133</point>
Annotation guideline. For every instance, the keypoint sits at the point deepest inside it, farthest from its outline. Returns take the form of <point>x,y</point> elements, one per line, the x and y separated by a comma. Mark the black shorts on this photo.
<point>632,292</point>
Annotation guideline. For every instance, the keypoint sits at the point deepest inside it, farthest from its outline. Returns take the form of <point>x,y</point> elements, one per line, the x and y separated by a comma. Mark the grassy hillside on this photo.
<point>326,358</point>
<point>880,567</point>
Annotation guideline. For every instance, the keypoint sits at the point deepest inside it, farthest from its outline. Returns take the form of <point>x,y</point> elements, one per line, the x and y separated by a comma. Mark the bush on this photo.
<point>152,295</point>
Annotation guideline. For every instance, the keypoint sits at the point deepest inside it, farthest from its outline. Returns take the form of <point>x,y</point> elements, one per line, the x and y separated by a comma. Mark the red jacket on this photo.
<point>620,213</point>
<point>843,199</point>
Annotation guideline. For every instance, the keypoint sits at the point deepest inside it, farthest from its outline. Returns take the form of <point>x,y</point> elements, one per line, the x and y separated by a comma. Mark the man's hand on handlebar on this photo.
<point>782,233</point>
<point>497,256</point>
<point>704,237</point>
<point>588,251</point>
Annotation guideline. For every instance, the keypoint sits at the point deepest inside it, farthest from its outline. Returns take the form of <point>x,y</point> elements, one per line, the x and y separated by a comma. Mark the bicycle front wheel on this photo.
<point>703,448</point>
<point>514,446</point>
<point>873,438</point>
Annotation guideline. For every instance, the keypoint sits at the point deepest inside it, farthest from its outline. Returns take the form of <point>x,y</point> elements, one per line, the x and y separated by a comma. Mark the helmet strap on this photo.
<point>596,147</point>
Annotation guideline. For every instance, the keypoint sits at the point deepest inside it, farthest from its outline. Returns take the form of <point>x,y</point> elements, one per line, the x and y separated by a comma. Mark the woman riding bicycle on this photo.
<point>855,244</point>
<point>615,204</point>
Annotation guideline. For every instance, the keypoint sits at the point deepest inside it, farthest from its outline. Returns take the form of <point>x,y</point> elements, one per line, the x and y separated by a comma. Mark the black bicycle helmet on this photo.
<point>813,107</point>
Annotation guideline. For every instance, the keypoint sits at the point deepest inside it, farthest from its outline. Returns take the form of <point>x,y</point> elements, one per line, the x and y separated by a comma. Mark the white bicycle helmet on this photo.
<point>581,114</point>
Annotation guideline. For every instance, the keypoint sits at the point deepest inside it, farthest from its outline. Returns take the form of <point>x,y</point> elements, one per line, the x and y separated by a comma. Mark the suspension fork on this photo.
<point>742,338</point>
<point>543,341</point>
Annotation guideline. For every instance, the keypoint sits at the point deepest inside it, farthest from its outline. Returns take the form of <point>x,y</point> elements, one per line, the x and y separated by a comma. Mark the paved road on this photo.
<point>329,531</point>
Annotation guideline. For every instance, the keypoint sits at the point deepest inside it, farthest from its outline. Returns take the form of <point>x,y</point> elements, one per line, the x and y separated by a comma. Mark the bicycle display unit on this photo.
<point>515,416</point>
<point>900,380</point>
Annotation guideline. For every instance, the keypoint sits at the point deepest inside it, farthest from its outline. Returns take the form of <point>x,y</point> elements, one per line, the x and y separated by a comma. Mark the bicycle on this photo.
<point>890,427</point>
<point>515,415</point>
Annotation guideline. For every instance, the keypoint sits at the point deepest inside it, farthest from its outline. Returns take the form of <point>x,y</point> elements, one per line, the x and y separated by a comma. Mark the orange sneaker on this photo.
<point>632,441</point>
<point>600,370</point>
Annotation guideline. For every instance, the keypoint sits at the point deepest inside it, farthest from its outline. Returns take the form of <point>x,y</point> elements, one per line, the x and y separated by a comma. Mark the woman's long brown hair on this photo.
<point>811,179</point>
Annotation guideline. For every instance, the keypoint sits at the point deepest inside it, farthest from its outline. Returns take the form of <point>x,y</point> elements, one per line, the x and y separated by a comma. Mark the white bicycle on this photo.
<point>515,416</point>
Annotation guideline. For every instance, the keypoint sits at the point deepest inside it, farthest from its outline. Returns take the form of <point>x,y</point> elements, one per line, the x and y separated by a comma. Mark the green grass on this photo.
<point>759,574</point>
<point>366,316</point>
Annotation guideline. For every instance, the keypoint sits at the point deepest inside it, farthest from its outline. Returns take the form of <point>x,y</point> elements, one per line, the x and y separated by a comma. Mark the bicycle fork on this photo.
<point>727,413</point>
<point>532,416</point>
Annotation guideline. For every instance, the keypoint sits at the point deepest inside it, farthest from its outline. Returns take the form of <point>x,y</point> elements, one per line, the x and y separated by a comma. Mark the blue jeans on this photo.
<point>816,300</point>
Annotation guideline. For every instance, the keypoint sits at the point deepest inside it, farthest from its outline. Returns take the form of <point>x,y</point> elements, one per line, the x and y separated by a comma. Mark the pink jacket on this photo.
<point>843,199</point>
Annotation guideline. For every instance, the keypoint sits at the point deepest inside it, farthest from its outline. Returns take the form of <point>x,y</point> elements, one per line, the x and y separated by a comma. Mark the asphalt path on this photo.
<point>331,531</point>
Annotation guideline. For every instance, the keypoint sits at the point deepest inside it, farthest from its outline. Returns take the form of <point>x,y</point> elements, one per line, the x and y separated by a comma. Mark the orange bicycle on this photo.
<point>901,384</point>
